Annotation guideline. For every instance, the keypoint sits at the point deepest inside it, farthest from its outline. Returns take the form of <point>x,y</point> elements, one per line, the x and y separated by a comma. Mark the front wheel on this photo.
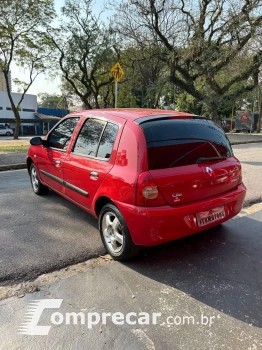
<point>8,133</point>
<point>115,235</point>
<point>38,188</point>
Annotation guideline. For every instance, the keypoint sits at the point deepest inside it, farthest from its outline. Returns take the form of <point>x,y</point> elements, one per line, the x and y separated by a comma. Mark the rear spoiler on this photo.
<point>167,116</point>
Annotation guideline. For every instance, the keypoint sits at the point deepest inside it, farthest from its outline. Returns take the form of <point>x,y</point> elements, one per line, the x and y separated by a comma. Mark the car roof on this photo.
<point>133,113</point>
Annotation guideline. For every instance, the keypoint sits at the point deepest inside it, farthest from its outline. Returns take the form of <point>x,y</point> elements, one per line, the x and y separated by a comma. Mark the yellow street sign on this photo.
<point>117,71</point>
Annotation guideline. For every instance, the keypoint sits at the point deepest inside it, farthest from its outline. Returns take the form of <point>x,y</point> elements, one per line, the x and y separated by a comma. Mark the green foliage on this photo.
<point>84,46</point>
<point>144,79</point>
<point>23,25</point>
<point>209,47</point>
<point>51,101</point>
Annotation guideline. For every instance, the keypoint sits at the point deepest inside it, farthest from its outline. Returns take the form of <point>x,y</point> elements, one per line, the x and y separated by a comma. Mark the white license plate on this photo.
<point>207,217</point>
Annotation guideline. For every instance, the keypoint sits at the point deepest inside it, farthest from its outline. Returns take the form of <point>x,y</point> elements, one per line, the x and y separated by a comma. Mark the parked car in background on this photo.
<point>6,131</point>
<point>149,176</point>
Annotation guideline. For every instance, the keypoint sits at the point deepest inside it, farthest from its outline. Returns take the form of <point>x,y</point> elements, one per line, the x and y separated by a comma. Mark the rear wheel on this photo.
<point>38,188</point>
<point>8,133</point>
<point>115,235</point>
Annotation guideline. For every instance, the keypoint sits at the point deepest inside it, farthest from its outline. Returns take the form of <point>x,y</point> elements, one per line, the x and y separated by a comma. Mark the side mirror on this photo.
<point>36,141</point>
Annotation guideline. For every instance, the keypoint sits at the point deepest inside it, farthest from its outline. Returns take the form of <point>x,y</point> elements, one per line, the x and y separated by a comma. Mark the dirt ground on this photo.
<point>14,142</point>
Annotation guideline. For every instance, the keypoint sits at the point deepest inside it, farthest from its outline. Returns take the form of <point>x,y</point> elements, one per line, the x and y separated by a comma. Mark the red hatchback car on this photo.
<point>149,176</point>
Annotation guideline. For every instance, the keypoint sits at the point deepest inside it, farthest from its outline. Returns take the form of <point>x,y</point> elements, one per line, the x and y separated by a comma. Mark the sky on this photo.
<point>43,82</point>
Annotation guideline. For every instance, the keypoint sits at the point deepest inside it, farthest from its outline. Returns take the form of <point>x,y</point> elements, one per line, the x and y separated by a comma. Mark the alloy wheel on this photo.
<point>112,232</point>
<point>34,177</point>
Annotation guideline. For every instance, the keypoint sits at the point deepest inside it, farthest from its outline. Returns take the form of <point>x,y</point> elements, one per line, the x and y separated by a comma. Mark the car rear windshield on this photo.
<point>180,142</point>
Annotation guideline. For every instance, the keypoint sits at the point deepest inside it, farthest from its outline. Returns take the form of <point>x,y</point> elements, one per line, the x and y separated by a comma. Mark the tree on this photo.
<point>144,79</point>
<point>22,41</point>
<point>85,49</point>
<point>201,41</point>
<point>51,100</point>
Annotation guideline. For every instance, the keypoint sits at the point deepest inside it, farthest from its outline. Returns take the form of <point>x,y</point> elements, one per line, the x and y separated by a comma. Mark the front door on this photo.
<point>50,160</point>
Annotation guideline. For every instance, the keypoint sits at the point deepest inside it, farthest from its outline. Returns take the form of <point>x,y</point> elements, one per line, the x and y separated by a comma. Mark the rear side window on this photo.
<point>89,137</point>
<point>180,142</point>
<point>96,139</point>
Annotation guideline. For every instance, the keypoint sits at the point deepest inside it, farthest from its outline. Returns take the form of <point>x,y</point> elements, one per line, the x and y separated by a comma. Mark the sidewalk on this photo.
<point>241,138</point>
<point>12,158</point>
<point>250,157</point>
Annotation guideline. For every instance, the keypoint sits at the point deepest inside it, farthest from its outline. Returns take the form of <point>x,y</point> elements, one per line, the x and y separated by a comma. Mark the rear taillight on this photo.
<point>147,193</point>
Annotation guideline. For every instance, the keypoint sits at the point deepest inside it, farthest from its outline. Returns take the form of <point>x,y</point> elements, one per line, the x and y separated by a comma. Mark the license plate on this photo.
<point>207,217</point>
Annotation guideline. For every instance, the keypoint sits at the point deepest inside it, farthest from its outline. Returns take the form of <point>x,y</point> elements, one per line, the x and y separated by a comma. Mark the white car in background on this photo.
<point>6,131</point>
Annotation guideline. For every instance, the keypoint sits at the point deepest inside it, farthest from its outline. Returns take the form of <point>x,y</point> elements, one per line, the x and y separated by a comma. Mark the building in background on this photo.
<point>49,116</point>
<point>28,107</point>
<point>34,120</point>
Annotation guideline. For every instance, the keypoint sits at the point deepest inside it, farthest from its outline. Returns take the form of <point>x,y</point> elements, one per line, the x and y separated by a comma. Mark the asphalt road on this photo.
<point>40,234</point>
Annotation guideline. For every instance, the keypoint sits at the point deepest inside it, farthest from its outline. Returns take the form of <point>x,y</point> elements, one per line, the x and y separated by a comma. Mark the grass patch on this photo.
<point>13,148</point>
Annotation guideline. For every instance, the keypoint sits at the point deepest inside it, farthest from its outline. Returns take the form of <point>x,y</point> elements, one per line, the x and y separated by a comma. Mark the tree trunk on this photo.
<point>14,108</point>
<point>17,125</point>
<point>214,112</point>
<point>260,117</point>
<point>260,110</point>
<point>96,101</point>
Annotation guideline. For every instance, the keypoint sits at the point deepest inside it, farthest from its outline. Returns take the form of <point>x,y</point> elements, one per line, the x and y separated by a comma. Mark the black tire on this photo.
<point>38,188</point>
<point>8,133</point>
<point>127,249</point>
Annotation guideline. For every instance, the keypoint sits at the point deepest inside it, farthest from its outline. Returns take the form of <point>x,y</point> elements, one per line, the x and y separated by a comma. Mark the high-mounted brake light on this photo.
<point>147,193</point>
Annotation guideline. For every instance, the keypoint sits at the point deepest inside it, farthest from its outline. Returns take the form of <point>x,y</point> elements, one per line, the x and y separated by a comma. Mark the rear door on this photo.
<point>190,159</point>
<point>90,160</point>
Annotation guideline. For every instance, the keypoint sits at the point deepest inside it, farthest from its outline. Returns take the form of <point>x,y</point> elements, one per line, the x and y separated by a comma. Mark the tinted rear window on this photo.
<point>180,142</point>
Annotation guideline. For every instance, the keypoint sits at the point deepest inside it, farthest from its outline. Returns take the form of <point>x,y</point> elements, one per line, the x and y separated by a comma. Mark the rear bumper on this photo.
<point>156,225</point>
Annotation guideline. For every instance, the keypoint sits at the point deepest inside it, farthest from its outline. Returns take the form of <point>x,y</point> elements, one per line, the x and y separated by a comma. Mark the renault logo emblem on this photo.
<point>209,170</point>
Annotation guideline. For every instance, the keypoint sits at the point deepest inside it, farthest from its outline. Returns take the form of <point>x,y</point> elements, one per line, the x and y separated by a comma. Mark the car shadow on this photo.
<point>221,267</point>
<point>60,200</point>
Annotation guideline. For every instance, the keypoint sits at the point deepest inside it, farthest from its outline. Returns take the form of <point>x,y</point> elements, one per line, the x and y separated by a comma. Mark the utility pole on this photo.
<point>116,93</point>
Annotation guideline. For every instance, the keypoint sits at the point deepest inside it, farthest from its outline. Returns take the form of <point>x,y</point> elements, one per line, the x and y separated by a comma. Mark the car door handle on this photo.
<point>57,163</point>
<point>94,175</point>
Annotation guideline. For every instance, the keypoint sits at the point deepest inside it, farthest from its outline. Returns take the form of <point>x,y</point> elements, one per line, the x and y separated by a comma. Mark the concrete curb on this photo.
<point>12,166</point>
<point>244,142</point>
<point>252,201</point>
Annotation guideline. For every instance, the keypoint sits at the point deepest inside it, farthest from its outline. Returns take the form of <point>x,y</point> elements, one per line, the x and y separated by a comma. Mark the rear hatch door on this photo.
<point>190,159</point>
